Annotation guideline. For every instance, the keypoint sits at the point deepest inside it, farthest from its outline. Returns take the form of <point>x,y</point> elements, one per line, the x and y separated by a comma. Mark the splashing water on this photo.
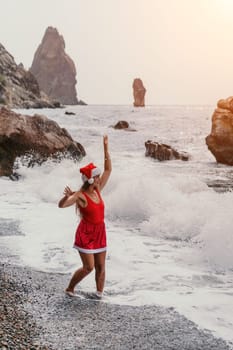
<point>170,233</point>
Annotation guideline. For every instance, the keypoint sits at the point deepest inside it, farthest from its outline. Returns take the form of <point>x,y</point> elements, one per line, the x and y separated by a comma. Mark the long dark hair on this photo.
<point>83,188</point>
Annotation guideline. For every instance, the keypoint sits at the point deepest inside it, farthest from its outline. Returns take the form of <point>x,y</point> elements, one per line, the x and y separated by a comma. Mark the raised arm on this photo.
<point>69,198</point>
<point>107,164</point>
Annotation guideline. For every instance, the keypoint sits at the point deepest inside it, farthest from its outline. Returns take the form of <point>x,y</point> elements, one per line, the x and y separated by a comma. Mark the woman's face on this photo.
<point>96,180</point>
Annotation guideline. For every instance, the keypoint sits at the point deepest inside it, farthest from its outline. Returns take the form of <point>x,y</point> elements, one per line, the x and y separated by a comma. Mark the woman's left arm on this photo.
<point>107,164</point>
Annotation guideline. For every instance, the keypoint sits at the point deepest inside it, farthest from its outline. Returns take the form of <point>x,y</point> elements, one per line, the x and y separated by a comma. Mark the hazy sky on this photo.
<point>181,49</point>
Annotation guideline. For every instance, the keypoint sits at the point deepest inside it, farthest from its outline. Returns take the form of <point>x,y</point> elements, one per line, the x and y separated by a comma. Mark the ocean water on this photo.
<point>169,224</point>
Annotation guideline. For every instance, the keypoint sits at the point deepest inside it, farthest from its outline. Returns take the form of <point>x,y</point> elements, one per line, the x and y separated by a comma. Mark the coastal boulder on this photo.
<point>18,87</point>
<point>122,124</point>
<point>54,69</point>
<point>220,140</point>
<point>34,136</point>
<point>162,151</point>
<point>139,92</point>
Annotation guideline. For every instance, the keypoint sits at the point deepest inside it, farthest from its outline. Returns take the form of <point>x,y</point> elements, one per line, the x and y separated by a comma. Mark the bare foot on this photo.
<point>69,292</point>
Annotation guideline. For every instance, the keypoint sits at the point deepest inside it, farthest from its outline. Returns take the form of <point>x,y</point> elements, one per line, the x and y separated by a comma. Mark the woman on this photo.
<point>90,238</point>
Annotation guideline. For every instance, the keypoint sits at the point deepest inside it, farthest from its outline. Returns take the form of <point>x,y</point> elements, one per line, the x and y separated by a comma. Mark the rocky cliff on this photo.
<point>54,69</point>
<point>18,87</point>
<point>220,140</point>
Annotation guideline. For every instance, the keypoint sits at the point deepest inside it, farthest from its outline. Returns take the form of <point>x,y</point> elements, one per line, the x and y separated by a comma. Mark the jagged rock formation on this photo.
<point>82,103</point>
<point>161,151</point>
<point>220,140</point>
<point>54,69</point>
<point>18,87</point>
<point>139,92</point>
<point>37,137</point>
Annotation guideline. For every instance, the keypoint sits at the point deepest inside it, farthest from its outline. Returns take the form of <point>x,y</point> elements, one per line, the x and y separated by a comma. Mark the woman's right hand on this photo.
<point>69,198</point>
<point>67,191</point>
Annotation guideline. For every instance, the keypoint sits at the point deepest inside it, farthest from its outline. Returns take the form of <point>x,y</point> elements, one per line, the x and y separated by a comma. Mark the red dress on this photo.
<point>90,235</point>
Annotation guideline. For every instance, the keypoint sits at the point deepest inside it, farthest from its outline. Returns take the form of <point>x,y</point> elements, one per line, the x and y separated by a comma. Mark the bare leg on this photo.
<point>99,259</point>
<point>88,265</point>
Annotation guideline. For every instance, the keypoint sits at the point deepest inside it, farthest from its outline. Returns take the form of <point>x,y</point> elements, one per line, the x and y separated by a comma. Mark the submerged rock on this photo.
<point>69,113</point>
<point>37,137</point>
<point>139,92</point>
<point>162,151</point>
<point>124,125</point>
<point>220,140</point>
<point>54,69</point>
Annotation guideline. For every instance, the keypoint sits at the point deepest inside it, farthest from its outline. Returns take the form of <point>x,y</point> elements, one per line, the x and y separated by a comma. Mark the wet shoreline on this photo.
<point>36,314</point>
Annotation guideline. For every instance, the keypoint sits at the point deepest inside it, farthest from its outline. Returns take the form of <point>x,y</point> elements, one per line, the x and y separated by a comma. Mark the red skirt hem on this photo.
<point>90,251</point>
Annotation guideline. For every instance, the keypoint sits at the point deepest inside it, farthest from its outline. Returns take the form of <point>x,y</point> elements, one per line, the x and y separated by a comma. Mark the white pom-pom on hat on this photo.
<point>88,172</point>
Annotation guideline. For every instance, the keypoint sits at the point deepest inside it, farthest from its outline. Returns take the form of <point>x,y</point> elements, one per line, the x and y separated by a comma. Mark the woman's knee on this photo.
<point>88,268</point>
<point>100,268</point>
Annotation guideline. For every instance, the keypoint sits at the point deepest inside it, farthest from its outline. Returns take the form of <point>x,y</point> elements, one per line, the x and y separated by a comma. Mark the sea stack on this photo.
<point>139,92</point>
<point>54,69</point>
<point>220,140</point>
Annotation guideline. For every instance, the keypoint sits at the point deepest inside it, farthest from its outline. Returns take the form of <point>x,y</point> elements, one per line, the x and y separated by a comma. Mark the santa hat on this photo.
<point>88,172</point>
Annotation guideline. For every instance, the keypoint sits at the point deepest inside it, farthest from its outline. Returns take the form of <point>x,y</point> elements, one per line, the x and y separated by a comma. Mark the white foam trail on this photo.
<point>170,235</point>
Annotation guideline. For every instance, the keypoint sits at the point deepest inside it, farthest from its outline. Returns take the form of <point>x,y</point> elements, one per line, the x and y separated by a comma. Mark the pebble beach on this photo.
<point>36,314</point>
